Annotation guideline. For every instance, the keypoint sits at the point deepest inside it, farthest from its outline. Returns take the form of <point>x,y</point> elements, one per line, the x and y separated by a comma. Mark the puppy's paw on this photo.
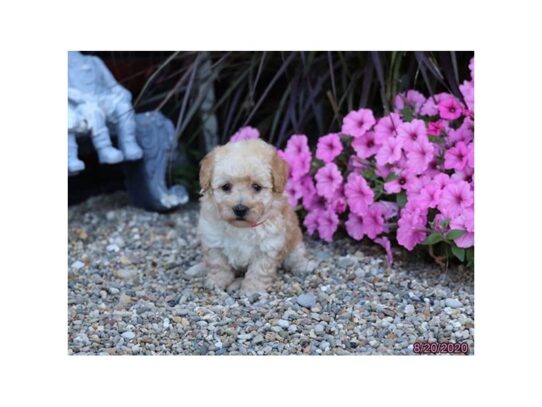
<point>235,285</point>
<point>219,280</point>
<point>250,287</point>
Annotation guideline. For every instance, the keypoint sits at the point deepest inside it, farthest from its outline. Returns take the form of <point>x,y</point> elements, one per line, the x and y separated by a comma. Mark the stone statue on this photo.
<point>99,107</point>
<point>96,104</point>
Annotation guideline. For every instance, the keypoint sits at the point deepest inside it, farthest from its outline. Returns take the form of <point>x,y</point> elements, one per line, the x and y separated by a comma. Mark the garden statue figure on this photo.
<point>96,101</point>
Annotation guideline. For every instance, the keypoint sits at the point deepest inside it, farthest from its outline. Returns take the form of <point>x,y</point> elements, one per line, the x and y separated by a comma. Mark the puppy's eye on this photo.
<point>226,187</point>
<point>257,187</point>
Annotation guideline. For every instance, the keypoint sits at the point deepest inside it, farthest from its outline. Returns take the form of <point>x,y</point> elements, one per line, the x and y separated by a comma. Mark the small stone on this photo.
<point>128,335</point>
<point>244,336</point>
<point>125,299</point>
<point>306,300</point>
<point>324,345</point>
<point>165,323</point>
<point>113,290</point>
<point>319,329</point>
<point>112,248</point>
<point>218,345</point>
<point>453,303</point>
<point>283,323</point>
<point>78,265</point>
<point>409,309</point>
<point>346,261</point>
<point>373,343</point>
<point>125,274</point>
<point>257,339</point>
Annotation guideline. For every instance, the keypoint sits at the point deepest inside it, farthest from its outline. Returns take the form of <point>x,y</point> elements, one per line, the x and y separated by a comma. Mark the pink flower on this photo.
<point>365,146</point>
<point>245,133</point>
<point>465,222</point>
<point>455,198</point>
<point>387,127</point>
<point>411,98</point>
<point>308,190</point>
<point>471,67</point>
<point>298,156</point>
<point>329,147</point>
<point>411,133</point>
<point>429,196</point>
<point>404,181</point>
<point>411,230</point>
<point>464,133</point>
<point>420,155</point>
<point>456,157</point>
<point>430,107</point>
<point>449,109</point>
<point>356,123</point>
<point>434,128</point>
<point>464,175</point>
<point>441,180</point>
<point>293,191</point>
<point>385,243</point>
<point>328,180</point>
<point>311,221</point>
<point>374,221</point>
<point>467,90</point>
<point>297,145</point>
<point>389,209</point>
<point>355,226</point>
<point>390,152</point>
<point>470,155</point>
<point>370,223</point>
<point>358,193</point>
<point>327,225</point>
<point>438,223</point>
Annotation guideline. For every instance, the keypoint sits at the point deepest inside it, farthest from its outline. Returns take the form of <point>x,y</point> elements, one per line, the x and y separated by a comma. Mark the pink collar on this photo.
<point>258,224</point>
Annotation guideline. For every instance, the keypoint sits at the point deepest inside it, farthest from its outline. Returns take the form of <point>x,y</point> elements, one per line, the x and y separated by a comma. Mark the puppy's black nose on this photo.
<point>240,210</point>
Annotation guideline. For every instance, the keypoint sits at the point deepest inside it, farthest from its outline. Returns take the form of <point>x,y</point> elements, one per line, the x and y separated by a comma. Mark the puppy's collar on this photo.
<point>259,223</point>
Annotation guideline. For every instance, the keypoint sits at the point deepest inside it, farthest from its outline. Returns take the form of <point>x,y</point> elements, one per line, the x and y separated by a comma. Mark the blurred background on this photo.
<point>209,95</point>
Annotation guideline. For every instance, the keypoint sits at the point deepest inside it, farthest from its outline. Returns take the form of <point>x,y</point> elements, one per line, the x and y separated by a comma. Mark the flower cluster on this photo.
<point>408,175</point>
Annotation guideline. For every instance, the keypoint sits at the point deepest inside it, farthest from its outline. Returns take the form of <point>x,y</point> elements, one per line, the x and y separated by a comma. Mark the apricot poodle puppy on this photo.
<point>246,224</point>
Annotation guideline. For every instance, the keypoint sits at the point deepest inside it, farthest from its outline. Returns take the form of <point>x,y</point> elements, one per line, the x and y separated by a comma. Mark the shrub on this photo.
<point>407,176</point>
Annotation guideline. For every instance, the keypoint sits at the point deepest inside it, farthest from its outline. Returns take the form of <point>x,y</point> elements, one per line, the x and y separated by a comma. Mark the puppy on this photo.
<point>246,223</point>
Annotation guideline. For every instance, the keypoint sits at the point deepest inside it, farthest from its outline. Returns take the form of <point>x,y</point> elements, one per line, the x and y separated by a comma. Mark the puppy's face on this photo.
<point>243,179</point>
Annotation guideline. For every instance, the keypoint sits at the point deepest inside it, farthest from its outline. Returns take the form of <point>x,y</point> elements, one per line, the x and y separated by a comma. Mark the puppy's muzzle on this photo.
<point>240,211</point>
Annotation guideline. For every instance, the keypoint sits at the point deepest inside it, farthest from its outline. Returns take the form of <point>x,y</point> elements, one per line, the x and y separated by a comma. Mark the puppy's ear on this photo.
<point>206,170</point>
<point>279,173</point>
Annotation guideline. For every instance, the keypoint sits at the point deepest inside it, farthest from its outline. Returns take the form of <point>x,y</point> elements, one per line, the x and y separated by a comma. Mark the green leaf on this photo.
<point>407,113</point>
<point>445,223</point>
<point>454,234</point>
<point>470,256</point>
<point>459,253</point>
<point>433,238</point>
<point>401,199</point>
<point>391,176</point>
<point>436,139</point>
<point>369,173</point>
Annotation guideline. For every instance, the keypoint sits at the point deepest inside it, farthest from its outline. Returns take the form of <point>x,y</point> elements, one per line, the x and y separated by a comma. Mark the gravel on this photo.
<point>140,299</point>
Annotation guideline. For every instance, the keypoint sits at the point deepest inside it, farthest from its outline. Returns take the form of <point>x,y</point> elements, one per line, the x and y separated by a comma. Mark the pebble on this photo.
<point>141,301</point>
<point>453,303</point>
<point>78,265</point>
<point>283,323</point>
<point>306,300</point>
<point>409,309</point>
<point>128,335</point>
<point>112,248</point>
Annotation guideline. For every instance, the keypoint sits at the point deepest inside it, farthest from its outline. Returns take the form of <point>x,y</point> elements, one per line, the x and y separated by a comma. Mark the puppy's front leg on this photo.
<point>259,275</point>
<point>219,272</point>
